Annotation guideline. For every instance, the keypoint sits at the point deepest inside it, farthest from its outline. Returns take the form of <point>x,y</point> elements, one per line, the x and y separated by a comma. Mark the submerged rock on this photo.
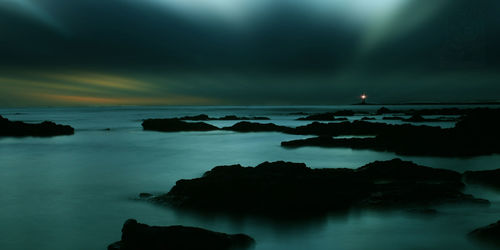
<point>137,236</point>
<point>44,129</point>
<point>487,177</point>
<point>488,234</point>
<point>293,188</point>
<point>176,125</point>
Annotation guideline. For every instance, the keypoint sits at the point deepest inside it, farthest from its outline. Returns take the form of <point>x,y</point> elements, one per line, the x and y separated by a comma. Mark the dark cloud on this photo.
<point>284,54</point>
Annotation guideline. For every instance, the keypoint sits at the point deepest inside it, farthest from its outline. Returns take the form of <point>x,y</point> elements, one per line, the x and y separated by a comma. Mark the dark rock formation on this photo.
<point>327,116</point>
<point>367,118</point>
<point>293,188</point>
<point>236,118</point>
<point>357,128</point>
<point>475,134</point>
<point>393,118</point>
<point>488,234</point>
<point>384,110</point>
<point>201,117</point>
<point>137,236</point>
<point>204,117</point>
<point>176,125</point>
<point>44,129</point>
<point>489,178</point>
<point>257,127</point>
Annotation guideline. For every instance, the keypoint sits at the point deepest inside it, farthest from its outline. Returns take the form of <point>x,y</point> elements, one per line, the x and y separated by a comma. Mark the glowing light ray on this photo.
<point>106,81</point>
<point>39,13</point>
<point>93,100</point>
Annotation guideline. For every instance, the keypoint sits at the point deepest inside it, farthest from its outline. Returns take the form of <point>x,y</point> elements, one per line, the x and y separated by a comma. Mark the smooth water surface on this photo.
<point>75,192</point>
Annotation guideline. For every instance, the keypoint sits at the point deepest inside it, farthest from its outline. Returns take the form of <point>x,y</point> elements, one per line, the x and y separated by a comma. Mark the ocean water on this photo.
<point>75,192</point>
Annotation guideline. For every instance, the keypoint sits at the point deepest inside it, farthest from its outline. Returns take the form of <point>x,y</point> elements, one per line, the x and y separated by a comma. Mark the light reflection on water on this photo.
<point>75,192</point>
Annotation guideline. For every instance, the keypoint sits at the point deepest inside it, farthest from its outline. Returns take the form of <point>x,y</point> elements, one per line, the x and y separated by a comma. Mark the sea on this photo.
<point>75,192</point>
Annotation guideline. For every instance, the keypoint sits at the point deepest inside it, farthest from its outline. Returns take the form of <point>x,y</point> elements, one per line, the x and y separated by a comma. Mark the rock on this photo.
<point>367,118</point>
<point>384,110</point>
<point>415,118</point>
<point>201,117</point>
<point>145,195</point>
<point>44,129</point>
<point>176,125</point>
<point>488,234</point>
<point>236,118</point>
<point>343,113</point>
<point>257,127</point>
<point>137,236</point>
<point>489,178</point>
<point>204,117</point>
<point>282,188</point>
<point>475,134</point>
<point>393,118</point>
<point>322,117</point>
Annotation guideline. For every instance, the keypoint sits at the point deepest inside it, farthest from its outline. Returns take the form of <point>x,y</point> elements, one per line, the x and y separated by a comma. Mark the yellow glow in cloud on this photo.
<point>87,89</point>
<point>91,100</point>
<point>101,80</point>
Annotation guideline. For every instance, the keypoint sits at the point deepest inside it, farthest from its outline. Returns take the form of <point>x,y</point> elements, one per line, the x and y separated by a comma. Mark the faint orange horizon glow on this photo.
<point>92,100</point>
<point>102,80</point>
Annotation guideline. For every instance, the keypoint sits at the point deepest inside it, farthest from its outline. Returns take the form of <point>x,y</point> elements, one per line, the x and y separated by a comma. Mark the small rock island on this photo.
<point>22,129</point>
<point>278,188</point>
<point>138,236</point>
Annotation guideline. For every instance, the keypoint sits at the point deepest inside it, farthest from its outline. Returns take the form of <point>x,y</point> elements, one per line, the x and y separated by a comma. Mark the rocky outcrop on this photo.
<point>257,127</point>
<point>176,125</point>
<point>330,116</point>
<point>137,236</point>
<point>293,188</point>
<point>475,134</point>
<point>489,178</point>
<point>204,117</point>
<point>489,234</point>
<point>44,129</point>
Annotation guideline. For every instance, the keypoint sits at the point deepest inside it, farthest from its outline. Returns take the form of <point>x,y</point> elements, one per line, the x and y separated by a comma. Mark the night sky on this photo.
<point>247,52</point>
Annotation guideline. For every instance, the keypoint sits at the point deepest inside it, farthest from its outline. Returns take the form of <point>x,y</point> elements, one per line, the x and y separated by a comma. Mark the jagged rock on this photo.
<point>293,188</point>
<point>176,125</point>
<point>488,234</point>
<point>137,236</point>
<point>475,134</point>
<point>257,127</point>
<point>44,129</point>
<point>487,177</point>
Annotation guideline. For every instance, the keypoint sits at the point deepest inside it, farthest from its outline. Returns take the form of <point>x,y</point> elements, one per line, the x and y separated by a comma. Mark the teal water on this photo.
<point>75,192</point>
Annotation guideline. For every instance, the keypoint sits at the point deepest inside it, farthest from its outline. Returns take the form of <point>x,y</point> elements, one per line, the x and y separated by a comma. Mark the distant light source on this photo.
<point>363,98</point>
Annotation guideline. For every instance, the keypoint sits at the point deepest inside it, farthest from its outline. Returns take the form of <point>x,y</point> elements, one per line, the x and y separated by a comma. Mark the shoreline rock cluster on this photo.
<point>22,129</point>
<point>475,134</point>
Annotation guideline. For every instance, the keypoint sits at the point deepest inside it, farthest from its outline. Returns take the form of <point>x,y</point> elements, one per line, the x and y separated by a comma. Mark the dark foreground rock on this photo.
<point>488,234</point>
<point>137,236</point>
<point>489,178</point>
<point>281,188</point>
<point>176,125</point>
<point>44,129</point>
<point>475,134</point>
